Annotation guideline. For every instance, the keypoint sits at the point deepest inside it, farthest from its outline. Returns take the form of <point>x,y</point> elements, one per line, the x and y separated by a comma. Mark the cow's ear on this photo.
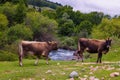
<point>54,42</point>
<point>107,39</point>
<point>49,42</point>
<point>110,39</point>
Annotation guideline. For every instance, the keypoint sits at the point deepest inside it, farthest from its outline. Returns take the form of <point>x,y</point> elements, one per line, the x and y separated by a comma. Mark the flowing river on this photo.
<point>61,54</point>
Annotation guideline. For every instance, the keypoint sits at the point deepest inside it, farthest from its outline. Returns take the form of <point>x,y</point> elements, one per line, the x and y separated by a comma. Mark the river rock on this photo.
<point>73,74</point>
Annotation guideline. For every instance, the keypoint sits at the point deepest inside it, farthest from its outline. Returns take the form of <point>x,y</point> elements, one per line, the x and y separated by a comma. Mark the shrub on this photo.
<point>7,56</point>
<point>19,31</point>
<point>68,42</point>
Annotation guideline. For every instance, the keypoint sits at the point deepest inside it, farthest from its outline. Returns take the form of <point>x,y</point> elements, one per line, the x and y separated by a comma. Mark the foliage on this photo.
<point>13,48</point>
<point>9,10</point>
<point>20,12</point>
<point>7,56</point>
<point>68,42</point>
<point>50,13</point>
<point>3,22</point>
<point>18,31</point>
<point>43,3</point>
<point>64,9</point>
<point>77,17</point>
<point>94,17</point>
<point>66,25</point>
<point>41,26</point>
<point>107,28</point>
<point>67,28</point>
<point>85,26</point>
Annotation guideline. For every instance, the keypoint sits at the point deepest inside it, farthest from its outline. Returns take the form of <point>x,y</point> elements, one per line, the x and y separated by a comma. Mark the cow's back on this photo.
<point>91,45</point>
<point>34,46</point>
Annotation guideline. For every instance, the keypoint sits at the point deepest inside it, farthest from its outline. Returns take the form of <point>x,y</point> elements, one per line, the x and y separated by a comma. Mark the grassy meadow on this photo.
<point>57,70</point>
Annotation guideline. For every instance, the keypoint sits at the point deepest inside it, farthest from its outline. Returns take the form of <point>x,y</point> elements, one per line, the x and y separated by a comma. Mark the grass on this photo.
<point>56,70</point>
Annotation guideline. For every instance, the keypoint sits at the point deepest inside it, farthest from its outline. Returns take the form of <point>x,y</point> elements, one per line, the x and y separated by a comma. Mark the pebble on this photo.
<point>73,74</point>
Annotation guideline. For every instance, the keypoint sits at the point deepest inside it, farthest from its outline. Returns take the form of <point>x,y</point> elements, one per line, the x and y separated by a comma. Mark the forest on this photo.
<point>42,20</point>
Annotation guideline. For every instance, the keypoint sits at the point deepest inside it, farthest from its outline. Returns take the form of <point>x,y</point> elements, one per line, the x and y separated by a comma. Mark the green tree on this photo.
<point>20,12</point>
<point>64,9</point>
<point>3,22</point>
<point>84,28</point>
<point>107,28</point>
<point>50,13</point>
<point>66,25</point>
<point>67,28</point>
<point>42,27</point>
<point>17,32</point>
<point>77,17</point>
<point>94,17</point>
<point>8,9</point>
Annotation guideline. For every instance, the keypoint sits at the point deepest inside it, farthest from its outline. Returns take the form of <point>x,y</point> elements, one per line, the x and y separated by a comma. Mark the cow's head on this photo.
<point>76,53</point>
<point>108,42</point>
<point>53,45</point>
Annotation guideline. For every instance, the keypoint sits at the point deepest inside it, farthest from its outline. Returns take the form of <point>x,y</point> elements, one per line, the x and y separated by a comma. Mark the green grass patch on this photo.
<point>56,70</point>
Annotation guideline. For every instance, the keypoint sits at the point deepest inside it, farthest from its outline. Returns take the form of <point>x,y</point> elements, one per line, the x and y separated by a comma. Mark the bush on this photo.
<point>3,22</point>
<point>7,56</point>
<point>19,31</point>
<point>68,43</point>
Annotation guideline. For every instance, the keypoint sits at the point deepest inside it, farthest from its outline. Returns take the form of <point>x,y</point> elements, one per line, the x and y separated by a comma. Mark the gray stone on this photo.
<point>73,74</point>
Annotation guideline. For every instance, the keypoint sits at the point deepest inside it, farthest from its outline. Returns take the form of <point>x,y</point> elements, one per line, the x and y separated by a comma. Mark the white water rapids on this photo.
<point>61,54</point>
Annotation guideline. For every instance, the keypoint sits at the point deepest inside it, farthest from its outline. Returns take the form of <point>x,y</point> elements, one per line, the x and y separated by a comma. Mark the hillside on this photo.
<point>43,3</point>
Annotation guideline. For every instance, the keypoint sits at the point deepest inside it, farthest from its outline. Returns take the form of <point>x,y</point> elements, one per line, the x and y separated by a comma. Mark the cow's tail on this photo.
<point>78,45</point>
<point>20,48</point>
<point>20,52</point>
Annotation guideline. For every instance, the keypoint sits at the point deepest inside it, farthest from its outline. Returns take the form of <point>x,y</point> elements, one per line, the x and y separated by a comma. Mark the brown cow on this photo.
<point>93,46</point>
<point>38,49</point>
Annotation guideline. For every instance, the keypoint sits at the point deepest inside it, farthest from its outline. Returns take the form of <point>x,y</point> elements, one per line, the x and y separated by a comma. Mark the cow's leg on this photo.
<point>21,52</point>
<point>37,59</point>
<point>47,59</point>
<point>20,57</point>
<point>78,57</point>
<point>46,55</point>
<point>99,57</point>
<point>81,54</point>
<point>20,60</point>
<point>36,62</point>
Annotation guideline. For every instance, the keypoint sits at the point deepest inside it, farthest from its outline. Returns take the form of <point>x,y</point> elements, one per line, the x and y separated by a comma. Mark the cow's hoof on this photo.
<point>35,64</point>
<point>20,64</point>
